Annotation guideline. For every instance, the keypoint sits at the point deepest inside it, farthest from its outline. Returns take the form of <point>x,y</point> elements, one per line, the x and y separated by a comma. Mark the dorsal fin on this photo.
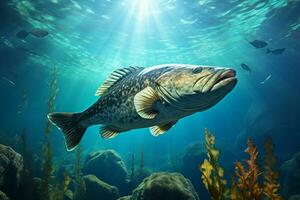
<point>115,76</point>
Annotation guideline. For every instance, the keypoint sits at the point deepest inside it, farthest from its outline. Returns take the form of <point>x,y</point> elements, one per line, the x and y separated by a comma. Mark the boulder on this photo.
<point>3,196</point>
<point>295,197</point>
<point>166,186</point>
<point>11,165</point>
<point>97,189</point>
<point>290,174</point>
<point>137,178</point>
<point>271,119</point>
<point>107,166</point>
<point>125,198</point>
<point>193,155</point>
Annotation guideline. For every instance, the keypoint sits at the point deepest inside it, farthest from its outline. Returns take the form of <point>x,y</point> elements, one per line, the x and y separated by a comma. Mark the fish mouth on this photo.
<point>227,78</point>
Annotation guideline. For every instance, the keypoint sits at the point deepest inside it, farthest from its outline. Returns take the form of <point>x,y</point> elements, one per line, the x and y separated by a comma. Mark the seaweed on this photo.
<point>47,165</point>
<point>132,167</point>
<point>271,176</point>
<point>142,160</point>
<point>26,185</point>
<point>212,173</point>
<point>58,192</point>
<point>247,185</point>
<point>79,185</point>
<point>246,181</point>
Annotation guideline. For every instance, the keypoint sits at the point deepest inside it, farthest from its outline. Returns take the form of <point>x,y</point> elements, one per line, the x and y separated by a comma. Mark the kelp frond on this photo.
<point>247,177</point>
<point>245,184</point>
<point>79,184</point>
<point>47,165</point>
<point>212,173</point>
<point>271,185</point>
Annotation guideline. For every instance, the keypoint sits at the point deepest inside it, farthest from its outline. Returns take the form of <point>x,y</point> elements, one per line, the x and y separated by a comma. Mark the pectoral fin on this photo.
<point>108,132</point>
<point>144,102</point>
<point>161,129</point>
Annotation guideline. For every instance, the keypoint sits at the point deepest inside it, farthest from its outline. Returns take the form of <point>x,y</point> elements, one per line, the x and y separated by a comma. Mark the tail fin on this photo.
<point>268,51</point>
<point>69,124</point>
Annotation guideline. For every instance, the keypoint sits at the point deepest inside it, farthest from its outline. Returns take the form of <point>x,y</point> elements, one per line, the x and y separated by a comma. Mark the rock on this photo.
<point>107,166</point>
<point>11,165</point>
<point>295,197</point>
<point>97,189</point>
<point>137,178</point>
<point>270,119</point>
<point>290,173</point>
<point>194,155</point>
<point>125,198</point>
<point>166,186</point>
<point>3,196</point>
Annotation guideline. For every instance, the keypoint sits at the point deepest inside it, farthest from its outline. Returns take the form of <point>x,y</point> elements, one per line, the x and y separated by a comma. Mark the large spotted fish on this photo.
<point>155,97</point>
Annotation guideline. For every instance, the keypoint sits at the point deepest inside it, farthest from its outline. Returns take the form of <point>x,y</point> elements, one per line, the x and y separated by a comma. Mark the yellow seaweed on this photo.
<point>245,182</point>
<point>271,176</point>
<point>212,173</point>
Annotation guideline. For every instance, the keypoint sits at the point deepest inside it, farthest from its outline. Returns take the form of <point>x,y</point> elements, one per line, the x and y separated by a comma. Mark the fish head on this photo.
<point>194,87</point>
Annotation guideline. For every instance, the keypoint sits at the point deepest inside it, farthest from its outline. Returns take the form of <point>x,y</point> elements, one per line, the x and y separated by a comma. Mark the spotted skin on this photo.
<point>116,107</point>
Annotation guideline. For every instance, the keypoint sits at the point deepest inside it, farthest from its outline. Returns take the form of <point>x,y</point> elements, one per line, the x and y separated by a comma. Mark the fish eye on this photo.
<point>197,70</point>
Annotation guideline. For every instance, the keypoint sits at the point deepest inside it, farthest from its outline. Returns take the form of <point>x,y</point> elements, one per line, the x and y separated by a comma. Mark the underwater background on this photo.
<point>88,39</point>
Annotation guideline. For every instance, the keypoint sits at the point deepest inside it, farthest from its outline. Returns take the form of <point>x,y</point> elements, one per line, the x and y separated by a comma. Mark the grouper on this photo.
<point>155,97</point>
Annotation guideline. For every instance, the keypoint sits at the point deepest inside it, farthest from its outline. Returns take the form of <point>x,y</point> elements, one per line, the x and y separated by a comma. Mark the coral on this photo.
<point>212,173</point>
<point>97,189</point>
<point>245,183</point>
<point>165,186</point>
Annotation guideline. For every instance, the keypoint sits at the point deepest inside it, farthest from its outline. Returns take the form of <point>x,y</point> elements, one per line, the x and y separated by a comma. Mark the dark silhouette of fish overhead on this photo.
<point>275,51</point>
<point>155,97</point>
<point>36,32</point>
<point>258,43</point>
<point>246,67</point>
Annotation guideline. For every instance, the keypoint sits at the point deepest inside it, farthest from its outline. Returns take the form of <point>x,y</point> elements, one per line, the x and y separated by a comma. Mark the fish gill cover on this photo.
<point>88,40</point>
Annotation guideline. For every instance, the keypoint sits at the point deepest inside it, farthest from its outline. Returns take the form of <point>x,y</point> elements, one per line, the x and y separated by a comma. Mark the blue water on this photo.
<point>89,39</point>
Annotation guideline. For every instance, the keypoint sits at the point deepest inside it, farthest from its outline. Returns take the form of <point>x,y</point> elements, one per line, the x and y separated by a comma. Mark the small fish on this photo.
<point>39,32</point>
<point>22,34</point>
<point>36,32</point>
<point>258,43</point>
<point>246,67</point>
<point>266,79</point>
<point>9,81</point>
<point>275,51</point>
<point>155,97</point>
